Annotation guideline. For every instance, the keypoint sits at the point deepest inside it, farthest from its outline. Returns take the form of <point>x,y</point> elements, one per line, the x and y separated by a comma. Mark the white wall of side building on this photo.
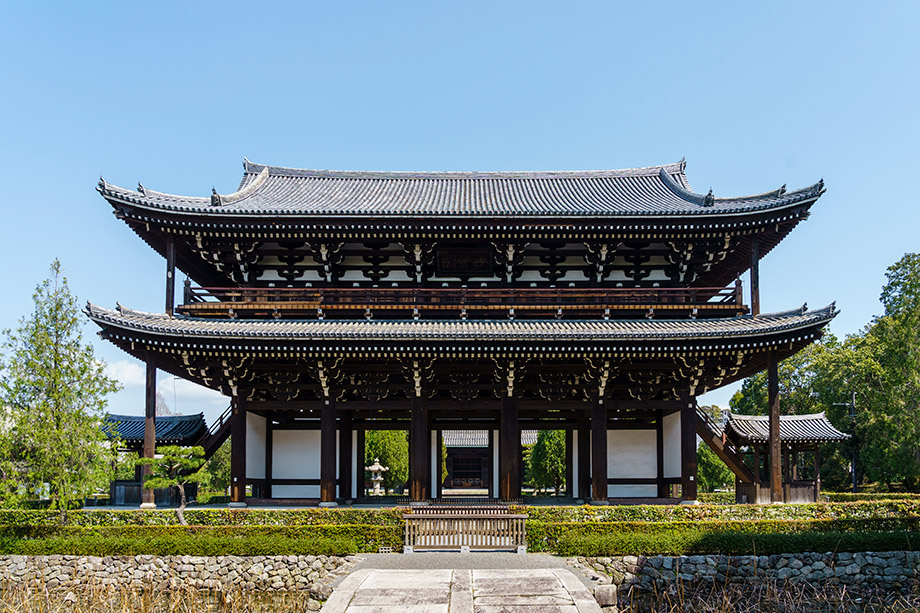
<point>671,451</point>
<point>632,454</point>
<point>256,428</point>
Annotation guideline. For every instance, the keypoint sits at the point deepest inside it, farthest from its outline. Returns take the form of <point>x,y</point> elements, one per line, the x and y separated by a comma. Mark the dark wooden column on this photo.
<point>359,465</point>
<point>509,451</point>
<point>599,452</point>
<point>755,275</point>
<point>419,453</point>
<point>327,454</point>
<point>659,454</point>
<point>584,457</point>
<point>817,473</point>
<point>688,448</point>
<point>440,455</point>
<point>776,457</point>
<point>238,453</point>
<point>150,412</point>
<point>346,470</point>
<point>170,274</point>
<point>269,443</point>
<point>569,463</point>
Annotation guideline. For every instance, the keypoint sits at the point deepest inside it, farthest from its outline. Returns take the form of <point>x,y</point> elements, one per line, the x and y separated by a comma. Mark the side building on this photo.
<point>328,303</point>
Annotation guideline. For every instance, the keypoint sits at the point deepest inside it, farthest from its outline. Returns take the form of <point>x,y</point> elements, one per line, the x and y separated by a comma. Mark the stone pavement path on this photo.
<point>544,590</point>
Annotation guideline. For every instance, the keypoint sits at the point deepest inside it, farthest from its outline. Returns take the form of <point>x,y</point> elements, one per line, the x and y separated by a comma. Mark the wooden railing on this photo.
<point>465,530</point>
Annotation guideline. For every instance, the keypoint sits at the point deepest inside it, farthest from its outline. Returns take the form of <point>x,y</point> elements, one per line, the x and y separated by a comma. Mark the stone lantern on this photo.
<point>376,476</point>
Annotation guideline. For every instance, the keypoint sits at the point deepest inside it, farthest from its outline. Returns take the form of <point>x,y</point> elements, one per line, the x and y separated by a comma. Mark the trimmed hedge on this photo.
<point>728,537</point>
<point>850,497</point>
<point>340,539</point>
<point>716,497</point>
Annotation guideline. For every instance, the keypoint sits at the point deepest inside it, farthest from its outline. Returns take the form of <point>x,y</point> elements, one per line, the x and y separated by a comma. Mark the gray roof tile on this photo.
<point>170,429</point>
<point>814,428</point>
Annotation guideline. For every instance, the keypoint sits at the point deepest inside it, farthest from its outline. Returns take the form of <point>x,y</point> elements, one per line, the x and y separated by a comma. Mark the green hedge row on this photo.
<point>198,540</point>
<point>716,497</point>
<point>728,537</point>
<point>850,497</point>
<point>717,512</point>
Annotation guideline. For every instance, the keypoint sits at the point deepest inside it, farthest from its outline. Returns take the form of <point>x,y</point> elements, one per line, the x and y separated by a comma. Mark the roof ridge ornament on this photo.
<point>215,197</point>
<point>141,189</point>
<point>709,199</point>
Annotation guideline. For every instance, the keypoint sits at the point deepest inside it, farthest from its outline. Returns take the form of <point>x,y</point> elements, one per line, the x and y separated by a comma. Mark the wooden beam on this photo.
<point>170,274</point>
<point>755,275</point>
<point>599,452</point>
<point>419,454</point>
<point>327,451</point>
<point>238,452</point>
<point>346,470</point>
<point>688,447</point>
<point>509,451</point>
<point>150,412</point>
<point>776,458</point>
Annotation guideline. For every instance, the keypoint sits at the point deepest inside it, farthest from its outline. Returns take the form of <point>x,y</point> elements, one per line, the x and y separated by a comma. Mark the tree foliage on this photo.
<point>712,473</point>
<point>391,447</point>
<point>53,392</point>
<point>174,466</point>
<point>547,460</point>
<point>217,469</point>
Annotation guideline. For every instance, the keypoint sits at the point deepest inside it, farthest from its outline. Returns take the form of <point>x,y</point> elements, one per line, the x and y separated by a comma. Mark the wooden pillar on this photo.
<point>269,437</point>
<point>659,455</point>
<point>776,457</point>
<point>688,447</point>
<point>359,464</point>
<point>599,452</point>
<point>170,274</point>
<point>584,457</point>
<point>569,463</point>
<point>150,412</point>
<point>758,473</point>
<point>817,473</point>
<point>419,454</point>
<point>440,454</point>
<point>755,276</point>
<point>327,453</point>
<point>509,451</point>
<point>345,468</point>
<point>238,453</point>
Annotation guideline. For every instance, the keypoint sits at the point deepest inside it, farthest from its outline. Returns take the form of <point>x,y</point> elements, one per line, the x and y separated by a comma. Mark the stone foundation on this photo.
<point>312,573</point>
<point>619,577</point>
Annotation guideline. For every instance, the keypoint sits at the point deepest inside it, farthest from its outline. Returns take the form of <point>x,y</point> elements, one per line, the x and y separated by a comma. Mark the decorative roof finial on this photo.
<point>141,189</point>
<point>215,198</point>
<point>102,182</point>
<point>709,200</point>
<point>782,190</point>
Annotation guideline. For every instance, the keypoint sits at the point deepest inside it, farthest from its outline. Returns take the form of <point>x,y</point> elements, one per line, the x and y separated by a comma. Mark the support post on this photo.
<point>584,457</point>
<point>440,480</point>
<point>659,454</point>
<point>599,453</point>
<point>327,454</point>
<point>817,473</point>
<point>776,457</point>
<point>419,455</point>
<point>170,274</point>
<point>755,276</point>
<point>509,451</point>
<point>688,448</point>
<point>345,468</point>
<point>269,442</point>
<point>238,453</point>
<point>150,412</point>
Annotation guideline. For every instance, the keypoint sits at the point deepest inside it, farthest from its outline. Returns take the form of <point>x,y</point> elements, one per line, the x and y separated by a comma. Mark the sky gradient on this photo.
<point>175,95</point>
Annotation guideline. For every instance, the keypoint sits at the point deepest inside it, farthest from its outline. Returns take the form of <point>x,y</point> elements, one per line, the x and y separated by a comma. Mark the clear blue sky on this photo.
<point>175,94</point>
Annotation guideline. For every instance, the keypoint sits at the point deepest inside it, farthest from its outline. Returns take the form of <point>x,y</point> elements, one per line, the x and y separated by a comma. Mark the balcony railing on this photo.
<point>281,302</point>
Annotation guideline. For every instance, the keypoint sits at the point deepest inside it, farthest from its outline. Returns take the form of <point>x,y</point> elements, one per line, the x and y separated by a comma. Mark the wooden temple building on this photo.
<point>328,303</point>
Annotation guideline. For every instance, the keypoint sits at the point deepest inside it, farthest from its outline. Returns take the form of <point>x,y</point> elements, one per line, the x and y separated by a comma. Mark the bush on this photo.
<point>716,497</point>
<point>730,537</point>
<point>850,497</point>
<point>197,540</point>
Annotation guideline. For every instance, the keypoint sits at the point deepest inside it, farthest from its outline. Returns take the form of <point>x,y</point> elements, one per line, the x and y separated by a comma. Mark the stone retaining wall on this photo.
<point>313,573</point>
<point>615,577</point>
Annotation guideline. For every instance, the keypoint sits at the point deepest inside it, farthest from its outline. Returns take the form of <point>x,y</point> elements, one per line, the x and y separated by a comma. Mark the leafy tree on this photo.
<point>548,460</point>
<point>174,466</point>
<point>217,468</point>
<point>712,473</point>
<point>391,447</point>
<point>54,393</point>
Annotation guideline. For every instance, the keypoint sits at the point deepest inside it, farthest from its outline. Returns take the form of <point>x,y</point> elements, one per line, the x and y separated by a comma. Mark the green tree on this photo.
<point>391,447</point>
<point>54,393</point>
<point>218,468</point>
<point>547,460</point>
<point>712,473</point>
<point>174,466</point>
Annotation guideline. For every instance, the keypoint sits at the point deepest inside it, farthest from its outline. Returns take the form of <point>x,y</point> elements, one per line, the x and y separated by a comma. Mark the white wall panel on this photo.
<point>632,491</point>
<point>256,428</point>
<point>295,491</point>
<point>295,455</point>
<point>671,424</point>
<point>631,454</point>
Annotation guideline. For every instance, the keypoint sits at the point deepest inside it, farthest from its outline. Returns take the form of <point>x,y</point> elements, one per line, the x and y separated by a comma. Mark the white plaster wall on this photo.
<point>631,454</point>
<point>573,487</point>
<point>296,455</point>
<point>632,491</point>
<point>295,491</point>
<point>671,425</point>
<point>494,463</point>
<point>256,428</point>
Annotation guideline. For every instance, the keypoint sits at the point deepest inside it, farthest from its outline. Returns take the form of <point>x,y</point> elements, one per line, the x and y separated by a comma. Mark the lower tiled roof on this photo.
<point>172,429</point>
<point>480,438</point>
<point>815,428</point>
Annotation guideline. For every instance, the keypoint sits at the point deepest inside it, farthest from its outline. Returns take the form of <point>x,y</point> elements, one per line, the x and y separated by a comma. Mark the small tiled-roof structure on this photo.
<point>274,190</point>
<point>480,438</point>
<point>170,429</point>
<point>814,428</point>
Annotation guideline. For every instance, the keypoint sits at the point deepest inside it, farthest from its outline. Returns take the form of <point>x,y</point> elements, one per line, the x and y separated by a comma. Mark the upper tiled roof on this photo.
<point>170,429</point>
<point>459,330</point>
<point>480,438</point>
<point>813,428</point>
<point>273,190</point>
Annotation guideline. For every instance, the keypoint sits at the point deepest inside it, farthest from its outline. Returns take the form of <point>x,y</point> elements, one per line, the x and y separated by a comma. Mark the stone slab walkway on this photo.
<point>545,590</point>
